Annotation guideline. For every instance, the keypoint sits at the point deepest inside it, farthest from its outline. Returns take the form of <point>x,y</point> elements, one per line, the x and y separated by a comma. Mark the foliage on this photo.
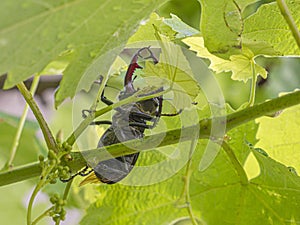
<point>212,165</point>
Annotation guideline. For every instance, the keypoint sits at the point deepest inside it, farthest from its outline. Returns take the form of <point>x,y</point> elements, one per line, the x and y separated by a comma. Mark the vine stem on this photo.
<point>30,204</point>
<point>285,12</point>
<point>235,162</point>
<point>187,183</point>
<point>15,144</point>
<point>50,141</point>
<point>170,137</point>
<point>67,190</point>
<point>47,211</point>
<point>36,190</point>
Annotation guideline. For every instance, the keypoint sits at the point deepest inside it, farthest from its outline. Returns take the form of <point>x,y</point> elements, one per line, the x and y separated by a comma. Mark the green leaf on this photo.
<point>27,151</point>
<point>146,31</point>
<point>175,71</point>
<point>270,198</point>
<point>275,192</point>
<point>241,135</point>
<point>280,137</point>
<point>40,32</point>
<point>268,25</point>
<point>239,65</point>
<point>185,88</point>
<point>222,25</point>
<point>163,202</point>
<point>216,194</point>
<point>182,29</point>
<point>152,204</point>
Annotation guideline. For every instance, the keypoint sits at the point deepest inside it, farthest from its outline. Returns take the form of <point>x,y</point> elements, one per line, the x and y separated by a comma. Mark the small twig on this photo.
<point>50,141</point>
<point>15,144</point>
<point>67,190</point>
<point>36,190</point>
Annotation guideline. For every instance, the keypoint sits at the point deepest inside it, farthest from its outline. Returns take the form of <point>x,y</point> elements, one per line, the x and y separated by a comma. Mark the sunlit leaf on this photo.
<point>239,65</point>
<point>182,29</point>
<point>268,25</point>
<point>279,136</point>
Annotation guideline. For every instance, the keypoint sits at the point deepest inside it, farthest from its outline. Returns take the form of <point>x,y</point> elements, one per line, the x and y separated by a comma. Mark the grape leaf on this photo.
<point>266,199</point>
<point>240,65</point>
<point>280,136</point>
<point>182,29</point>
<point>227,32</point>
<point>222,25</point>
<point>160,203</point>
<point>242,135</point>
<point>146,30</point>
<point>268,25</point>
<point>270,198</point>
<point>217,194</point>
<point>174,68</point>
<point>40,32</point>
<point>276,193</point>
<point>183,83</point>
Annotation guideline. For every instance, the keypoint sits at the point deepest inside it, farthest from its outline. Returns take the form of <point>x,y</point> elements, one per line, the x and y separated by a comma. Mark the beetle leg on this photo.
<point>101,122</point>
<point>83,172</point>
<point>134,78</point>
<point>141,115</point>
<point>137,124</point>
<point>105,100</point>
<point>95,122</point>
<point>171,114</point>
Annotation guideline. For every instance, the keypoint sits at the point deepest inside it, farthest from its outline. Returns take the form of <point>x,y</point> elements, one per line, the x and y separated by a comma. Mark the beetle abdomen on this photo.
<point>113,170</point>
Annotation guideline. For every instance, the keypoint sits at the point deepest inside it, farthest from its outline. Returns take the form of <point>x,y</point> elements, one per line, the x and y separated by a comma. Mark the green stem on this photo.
<point>265,108</point>
<point>235,162</point>
<point>30,204</point>
<point>67,189</point>
<point>20,173</point>
<point>253,84</point>
<point>36,190</point>
<point>289,19</point>
<point>170,137</point>
<point>15,145</point>
<point>187,184</point>
<point>50,141</point>
<point>44,214</point>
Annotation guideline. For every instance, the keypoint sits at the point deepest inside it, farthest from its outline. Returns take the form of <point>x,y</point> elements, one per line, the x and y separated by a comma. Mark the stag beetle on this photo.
<point>128,122</point>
